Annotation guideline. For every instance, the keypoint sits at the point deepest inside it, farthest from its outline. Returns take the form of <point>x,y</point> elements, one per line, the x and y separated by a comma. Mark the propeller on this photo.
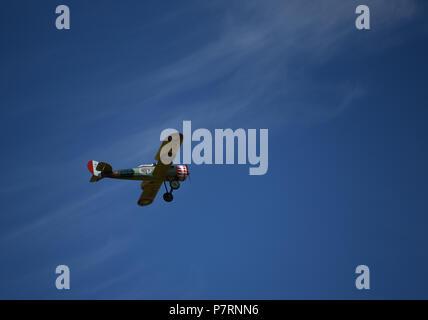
<point>188,173</point>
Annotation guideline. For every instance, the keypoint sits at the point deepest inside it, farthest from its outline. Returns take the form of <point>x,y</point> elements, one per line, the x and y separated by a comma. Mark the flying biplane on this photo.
<point>152,175</point>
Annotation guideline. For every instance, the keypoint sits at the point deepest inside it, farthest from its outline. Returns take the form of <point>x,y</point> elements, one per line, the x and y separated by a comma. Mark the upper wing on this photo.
<point>166,154</point>
<point>165,157</point>
<point>150,190</point>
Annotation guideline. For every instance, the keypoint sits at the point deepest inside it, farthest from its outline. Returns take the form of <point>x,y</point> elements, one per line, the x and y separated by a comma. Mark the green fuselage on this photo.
<point>141,173</point>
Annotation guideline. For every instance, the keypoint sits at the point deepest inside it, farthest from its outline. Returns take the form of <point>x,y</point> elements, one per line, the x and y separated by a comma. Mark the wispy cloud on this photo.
<point>249,60</point>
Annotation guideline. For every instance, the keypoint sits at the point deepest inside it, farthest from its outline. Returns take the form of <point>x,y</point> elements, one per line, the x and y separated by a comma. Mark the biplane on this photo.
<point>151,175</point>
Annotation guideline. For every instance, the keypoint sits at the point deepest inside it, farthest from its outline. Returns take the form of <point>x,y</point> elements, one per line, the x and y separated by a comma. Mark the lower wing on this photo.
<point>150,190</point>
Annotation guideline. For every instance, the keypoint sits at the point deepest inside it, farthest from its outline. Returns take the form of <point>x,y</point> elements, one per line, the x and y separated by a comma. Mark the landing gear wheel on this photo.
<point>174,184</point>
<point>167,196</point>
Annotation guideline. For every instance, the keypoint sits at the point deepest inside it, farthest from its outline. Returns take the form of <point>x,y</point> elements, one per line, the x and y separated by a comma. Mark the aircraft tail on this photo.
<point>97,168</point>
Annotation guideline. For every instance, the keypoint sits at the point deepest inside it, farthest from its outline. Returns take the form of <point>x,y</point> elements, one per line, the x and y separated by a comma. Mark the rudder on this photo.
<point>96,168</point>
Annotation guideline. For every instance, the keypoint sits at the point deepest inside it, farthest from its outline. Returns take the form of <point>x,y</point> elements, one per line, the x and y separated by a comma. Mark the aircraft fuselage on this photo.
<point>140,173</point>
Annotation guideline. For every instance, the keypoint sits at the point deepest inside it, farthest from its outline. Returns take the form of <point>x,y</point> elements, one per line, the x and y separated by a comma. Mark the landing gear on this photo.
<point>167,196</point>
<point>174,184</point>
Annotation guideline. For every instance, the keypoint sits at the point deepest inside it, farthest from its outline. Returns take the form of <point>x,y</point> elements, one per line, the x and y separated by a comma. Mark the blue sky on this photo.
<point>347,182</point>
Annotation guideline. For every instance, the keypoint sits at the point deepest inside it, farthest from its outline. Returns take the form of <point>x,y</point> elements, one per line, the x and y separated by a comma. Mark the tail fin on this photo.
<point>96,168</point>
